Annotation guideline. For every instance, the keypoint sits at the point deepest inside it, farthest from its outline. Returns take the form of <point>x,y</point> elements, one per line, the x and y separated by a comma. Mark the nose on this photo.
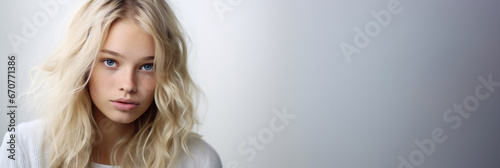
<point>127,82</point>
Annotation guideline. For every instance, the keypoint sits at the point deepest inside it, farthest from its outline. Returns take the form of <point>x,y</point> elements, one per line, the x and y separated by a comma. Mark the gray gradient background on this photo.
<point>269,55</point>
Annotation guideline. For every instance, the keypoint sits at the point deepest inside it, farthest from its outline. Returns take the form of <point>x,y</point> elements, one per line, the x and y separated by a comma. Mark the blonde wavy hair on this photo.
<point>60,83</point>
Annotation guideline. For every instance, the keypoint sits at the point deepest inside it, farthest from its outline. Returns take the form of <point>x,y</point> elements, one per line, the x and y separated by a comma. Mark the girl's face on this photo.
<point>122,83</point>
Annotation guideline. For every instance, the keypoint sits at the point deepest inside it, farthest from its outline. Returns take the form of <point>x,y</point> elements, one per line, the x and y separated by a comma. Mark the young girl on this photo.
<point>117,92</point>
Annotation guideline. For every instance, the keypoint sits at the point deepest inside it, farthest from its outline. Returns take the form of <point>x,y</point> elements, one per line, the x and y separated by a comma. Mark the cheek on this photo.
<point>149,87</point>
<point>98,82</point>
<point>94,93</point>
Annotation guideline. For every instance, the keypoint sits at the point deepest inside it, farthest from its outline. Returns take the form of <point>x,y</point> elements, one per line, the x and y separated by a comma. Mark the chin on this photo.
<point>120,117</point>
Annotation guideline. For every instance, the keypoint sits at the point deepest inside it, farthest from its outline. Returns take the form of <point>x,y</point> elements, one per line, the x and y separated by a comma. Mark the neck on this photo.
<point>111,133</point>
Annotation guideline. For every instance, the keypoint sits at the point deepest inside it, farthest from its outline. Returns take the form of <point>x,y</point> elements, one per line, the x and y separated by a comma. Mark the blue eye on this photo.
<point>110,63</point>
<point>148,67</point>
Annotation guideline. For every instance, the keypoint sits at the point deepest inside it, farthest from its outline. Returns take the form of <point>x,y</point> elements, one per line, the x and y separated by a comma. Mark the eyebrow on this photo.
<point>116,54</point>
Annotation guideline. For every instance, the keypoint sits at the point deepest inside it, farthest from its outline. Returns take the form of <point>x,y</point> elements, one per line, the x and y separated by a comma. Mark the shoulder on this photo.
<point>31,127</point>
<point>23,145</point>
<point>202,154</point>
<point>30,133</point>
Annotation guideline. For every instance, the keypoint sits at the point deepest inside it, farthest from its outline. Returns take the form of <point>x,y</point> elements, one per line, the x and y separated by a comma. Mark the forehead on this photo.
<point>128,39</point>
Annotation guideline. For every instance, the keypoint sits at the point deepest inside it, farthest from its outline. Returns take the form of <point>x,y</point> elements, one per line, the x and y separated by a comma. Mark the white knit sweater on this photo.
<point>28,150</point>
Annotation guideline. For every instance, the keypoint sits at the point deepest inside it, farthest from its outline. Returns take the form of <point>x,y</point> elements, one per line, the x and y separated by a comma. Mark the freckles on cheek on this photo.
<point>101,79</point>
<point>149,82</point>
<point>151,86</point>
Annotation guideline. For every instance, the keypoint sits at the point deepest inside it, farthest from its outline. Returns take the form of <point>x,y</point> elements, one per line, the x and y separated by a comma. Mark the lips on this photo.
<point>124,104</point>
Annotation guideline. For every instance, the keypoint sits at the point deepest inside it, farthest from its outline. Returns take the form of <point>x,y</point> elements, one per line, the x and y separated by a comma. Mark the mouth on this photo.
<point>124,104</point>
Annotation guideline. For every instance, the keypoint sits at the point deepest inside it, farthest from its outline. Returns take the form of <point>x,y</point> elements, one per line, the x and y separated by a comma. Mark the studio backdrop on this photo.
<point>338,83</point>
